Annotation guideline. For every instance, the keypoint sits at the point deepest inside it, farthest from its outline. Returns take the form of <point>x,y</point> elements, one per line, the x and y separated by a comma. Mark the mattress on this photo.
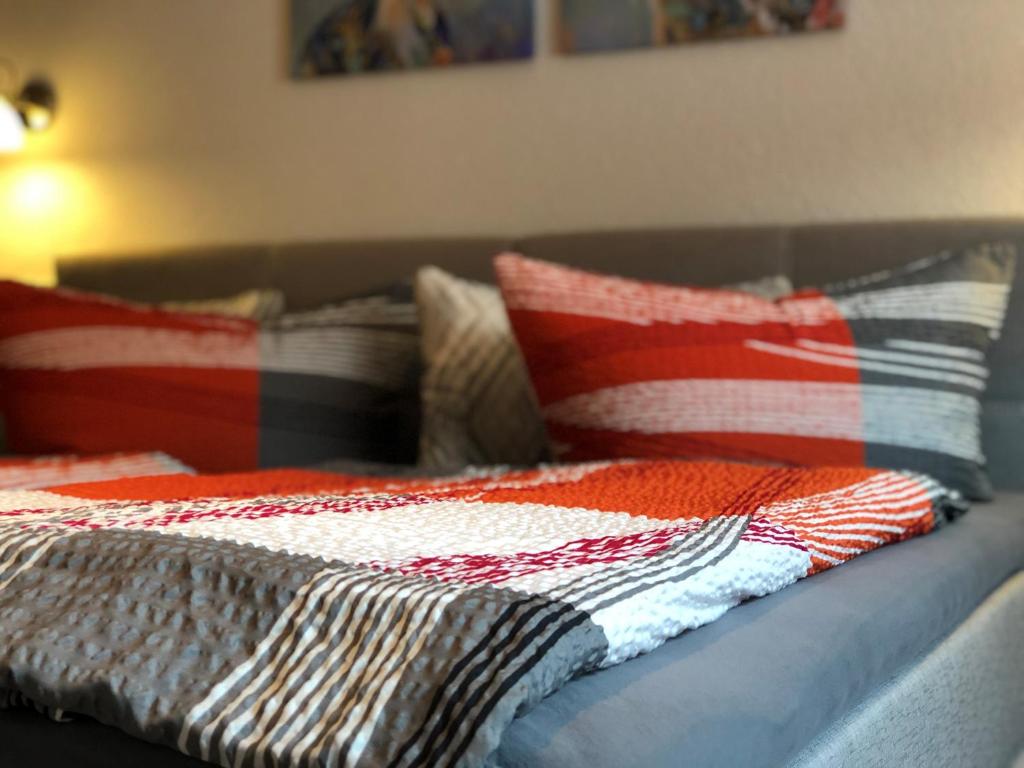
<point>756,688</point>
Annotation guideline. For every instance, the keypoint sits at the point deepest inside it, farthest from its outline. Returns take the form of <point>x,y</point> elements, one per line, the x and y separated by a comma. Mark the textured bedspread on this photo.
<point>298,618</point>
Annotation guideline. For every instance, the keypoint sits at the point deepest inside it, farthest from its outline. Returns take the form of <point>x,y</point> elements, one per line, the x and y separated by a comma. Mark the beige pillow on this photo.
<point>478,405</point>
<point>258,304</point>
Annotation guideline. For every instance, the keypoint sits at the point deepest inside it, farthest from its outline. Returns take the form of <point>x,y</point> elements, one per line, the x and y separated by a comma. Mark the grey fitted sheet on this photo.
<point>757,686</point>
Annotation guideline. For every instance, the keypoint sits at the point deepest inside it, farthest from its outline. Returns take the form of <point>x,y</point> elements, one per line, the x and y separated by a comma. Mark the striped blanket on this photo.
<point>299,618</point>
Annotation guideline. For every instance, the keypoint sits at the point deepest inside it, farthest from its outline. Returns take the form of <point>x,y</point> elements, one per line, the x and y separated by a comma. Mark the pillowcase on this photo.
<point>885,371</point>
<point>771,287</point>
<point>478,404</point>
<point>87,374</point>
<point>48,471</point>
<point>258,304</point>
<point>342,382</point>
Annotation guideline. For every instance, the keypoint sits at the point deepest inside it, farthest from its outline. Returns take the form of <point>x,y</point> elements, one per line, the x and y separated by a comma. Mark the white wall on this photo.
<point>178,125</point>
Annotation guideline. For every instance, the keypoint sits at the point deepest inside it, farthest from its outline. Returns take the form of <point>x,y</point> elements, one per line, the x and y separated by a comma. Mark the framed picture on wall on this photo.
<point>602,25</point>
<point>345,37</point>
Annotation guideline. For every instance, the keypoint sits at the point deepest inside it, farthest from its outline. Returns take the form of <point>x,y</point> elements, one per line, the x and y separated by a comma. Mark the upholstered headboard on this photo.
<point>313,273</point>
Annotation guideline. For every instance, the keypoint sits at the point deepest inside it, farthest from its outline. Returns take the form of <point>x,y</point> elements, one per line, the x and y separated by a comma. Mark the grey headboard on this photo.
<point>313,273</point>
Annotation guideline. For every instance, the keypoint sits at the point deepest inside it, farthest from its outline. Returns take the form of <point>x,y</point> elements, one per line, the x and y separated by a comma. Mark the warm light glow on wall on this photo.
<point>44,210</point>
<point>35,193</point>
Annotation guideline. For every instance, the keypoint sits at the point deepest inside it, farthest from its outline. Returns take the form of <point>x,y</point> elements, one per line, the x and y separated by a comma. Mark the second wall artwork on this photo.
<point>343,37</point>
<point>602,25</point>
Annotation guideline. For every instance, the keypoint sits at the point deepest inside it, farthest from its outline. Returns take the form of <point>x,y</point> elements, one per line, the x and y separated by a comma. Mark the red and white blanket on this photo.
<point>301,618</point>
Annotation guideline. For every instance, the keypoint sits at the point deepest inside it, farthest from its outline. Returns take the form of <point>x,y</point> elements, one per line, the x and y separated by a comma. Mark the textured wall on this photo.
<point>179,126</point>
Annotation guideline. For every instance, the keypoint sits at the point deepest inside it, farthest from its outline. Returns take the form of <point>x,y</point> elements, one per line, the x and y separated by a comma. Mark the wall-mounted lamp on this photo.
<point>31,108</point>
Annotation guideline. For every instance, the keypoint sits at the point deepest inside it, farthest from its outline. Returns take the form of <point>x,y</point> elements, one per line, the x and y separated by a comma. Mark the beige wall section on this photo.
<point>178,126</point>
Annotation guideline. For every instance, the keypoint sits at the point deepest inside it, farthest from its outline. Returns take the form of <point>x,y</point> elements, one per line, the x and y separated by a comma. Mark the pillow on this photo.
<point>258,304</point>
<point>478,405</point>
<point>345,376</point>
<point>87,374</point>
<point>771,287</point>
<point>884,371</point>
<point>48,471</point>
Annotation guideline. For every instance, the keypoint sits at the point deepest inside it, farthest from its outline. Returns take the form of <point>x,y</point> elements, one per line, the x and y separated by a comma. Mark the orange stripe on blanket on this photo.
<point>667,489</point>
<point>265,483</point>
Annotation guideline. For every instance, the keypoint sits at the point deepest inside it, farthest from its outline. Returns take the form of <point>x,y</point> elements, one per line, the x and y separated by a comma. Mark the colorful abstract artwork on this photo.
<point>602,25</point>
<point>344,37</point>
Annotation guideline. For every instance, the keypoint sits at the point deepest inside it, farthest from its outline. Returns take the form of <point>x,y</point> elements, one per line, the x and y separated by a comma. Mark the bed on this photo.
<point>905,656</point>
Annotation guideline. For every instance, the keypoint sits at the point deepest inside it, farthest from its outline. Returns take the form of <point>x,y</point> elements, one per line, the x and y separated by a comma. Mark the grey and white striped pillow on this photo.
<point>342,382</point>
<point>478,405</point>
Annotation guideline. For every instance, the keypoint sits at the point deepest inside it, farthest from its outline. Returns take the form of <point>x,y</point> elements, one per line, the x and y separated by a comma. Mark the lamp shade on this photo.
<point>12,128</point>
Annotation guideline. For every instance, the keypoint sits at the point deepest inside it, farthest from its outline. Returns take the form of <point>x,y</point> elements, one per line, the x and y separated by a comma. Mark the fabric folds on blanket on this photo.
<point>302,618</point>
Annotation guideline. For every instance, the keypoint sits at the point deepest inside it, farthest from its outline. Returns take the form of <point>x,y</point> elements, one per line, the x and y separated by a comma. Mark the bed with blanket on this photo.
<point>768,593</point>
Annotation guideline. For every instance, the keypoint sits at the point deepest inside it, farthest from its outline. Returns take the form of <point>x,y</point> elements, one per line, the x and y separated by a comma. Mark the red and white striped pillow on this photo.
<point>886,371</point>
<point>87,374</point>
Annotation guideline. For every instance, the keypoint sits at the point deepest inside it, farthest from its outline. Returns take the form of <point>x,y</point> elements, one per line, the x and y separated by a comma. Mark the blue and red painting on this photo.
<point>343,37</point>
